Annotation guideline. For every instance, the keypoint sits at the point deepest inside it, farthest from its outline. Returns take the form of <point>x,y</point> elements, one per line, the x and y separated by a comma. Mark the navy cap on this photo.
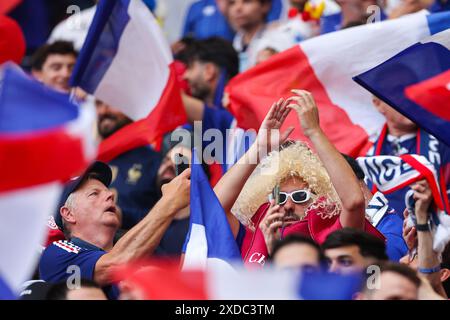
<point>98,170</point>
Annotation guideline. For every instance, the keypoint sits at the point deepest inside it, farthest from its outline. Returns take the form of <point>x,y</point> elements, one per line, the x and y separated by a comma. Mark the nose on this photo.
<point>110,195</point>
<point>334,266</point>
<point>289,205</point>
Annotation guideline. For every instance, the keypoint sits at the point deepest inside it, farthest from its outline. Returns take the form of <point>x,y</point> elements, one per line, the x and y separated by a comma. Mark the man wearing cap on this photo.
<point>90,219</point>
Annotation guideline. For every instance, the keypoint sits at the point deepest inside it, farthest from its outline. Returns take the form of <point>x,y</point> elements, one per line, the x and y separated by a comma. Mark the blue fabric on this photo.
<point>391,226</point>
<point>321,285</point>
<point>438,22</point>
<point>221,119</point>
<point>333,22</point>
<point>205,20</point>
<point>21,96</point>
<point>172,242</point>
<point>405,69</point>
<point>55,261</point>
<point>134,177</point>
<point>101,45</point>
<point>439,6</point>
<point>5,291</point>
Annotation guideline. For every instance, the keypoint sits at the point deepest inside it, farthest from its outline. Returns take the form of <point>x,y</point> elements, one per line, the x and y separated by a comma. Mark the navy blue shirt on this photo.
<point>60,255</point>
<point>134,180</point>
<point>173,240</point>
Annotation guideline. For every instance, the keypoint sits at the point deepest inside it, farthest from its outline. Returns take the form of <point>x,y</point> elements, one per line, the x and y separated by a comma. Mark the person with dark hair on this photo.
<point>52,64</point>
<point>350,250</point>
<point>85,290</point>
<point>248,19</point>
<point>211,63</point>
<point>381,215</point>
<point>297,251</point>
<point>394,282</point>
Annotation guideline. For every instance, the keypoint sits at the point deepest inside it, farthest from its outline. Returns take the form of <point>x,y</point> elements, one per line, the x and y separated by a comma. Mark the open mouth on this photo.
<point>111,209</point>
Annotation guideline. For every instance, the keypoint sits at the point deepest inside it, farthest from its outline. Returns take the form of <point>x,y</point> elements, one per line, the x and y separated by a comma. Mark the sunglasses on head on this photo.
<point>297,196</point>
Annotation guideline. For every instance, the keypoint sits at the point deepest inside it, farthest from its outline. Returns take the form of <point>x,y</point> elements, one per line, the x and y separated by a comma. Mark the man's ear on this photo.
<point>445,274</point>
<point>67,214</point>
<point>378,104</point>
<point>210,72</point>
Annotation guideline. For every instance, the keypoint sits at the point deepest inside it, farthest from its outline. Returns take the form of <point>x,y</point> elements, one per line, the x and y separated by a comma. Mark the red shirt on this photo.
<point>254,250</point>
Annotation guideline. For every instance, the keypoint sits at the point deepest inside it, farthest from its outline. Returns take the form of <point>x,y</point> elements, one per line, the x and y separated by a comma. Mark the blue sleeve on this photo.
<point>55,262</point>
<point>275,10</point>
<point>240,236</point>
<point>216,118</point>
<point>391,226</point>
<point>189,21</point>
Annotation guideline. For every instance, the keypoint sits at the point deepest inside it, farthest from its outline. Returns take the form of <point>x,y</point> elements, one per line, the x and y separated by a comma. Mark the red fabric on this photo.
<point>64,158</point>
<point>167,115</point>
<point>252,93</point>
<point>254,250</point>
<point>53,233</point>
<point>12,41</point>
<point>7,5</point>
<point>163,280</point>
<point>433,94</point>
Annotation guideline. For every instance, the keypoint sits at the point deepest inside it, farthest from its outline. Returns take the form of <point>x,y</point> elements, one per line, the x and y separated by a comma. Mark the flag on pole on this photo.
<point>210,240</point>
<point>44,141</point>
<point>126,62</point>
<point>325,66</point>
<point>420,62</point>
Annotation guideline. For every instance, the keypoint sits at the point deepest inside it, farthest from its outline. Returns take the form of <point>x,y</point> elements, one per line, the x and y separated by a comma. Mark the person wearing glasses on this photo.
<point>318,192</point>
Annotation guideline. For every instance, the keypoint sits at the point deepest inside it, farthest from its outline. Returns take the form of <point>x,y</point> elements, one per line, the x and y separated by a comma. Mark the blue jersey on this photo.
<point>58,259</point>
<point>134,182</point>
<point>172,242</point>
<point>205,20</point>
<point>440,5</point>
<point>384,218</point>
<point>436,152</point>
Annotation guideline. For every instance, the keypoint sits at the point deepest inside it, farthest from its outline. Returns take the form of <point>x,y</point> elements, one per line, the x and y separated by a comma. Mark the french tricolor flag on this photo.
<point>126,62</point>
<point>163,280</point>
<point>403,81</point>
<point>325,66</point>
<point>209,242</point>
<point>44,141</point>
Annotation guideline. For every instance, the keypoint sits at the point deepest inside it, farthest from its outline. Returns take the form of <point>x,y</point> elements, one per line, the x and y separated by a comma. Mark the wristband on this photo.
<point>423,227</point>
<point>430,270</point>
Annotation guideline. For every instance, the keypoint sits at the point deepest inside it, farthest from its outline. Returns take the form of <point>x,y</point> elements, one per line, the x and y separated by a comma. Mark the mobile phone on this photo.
<point>181,163</point>
<point>276,194</point>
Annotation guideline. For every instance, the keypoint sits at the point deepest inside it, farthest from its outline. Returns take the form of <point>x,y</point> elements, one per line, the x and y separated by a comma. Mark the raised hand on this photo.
<point>308,114</point>
<point>269,136</point>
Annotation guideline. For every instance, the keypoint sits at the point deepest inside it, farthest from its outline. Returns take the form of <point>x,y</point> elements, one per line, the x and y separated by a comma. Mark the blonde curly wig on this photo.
<point>295,160</point>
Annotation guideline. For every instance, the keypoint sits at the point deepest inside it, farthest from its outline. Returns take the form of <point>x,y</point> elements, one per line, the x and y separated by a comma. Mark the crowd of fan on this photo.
<point>320,215</point>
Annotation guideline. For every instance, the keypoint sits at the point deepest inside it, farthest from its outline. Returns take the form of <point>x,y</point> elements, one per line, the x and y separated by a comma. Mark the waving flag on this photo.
<point>44,140</point>
<point>420,62</point>
<point>209,240</point>
<point>165,281</point>
<point>433,94</point>
<point>325,66</point>
<point>12,41</point>
<point>126,62</point>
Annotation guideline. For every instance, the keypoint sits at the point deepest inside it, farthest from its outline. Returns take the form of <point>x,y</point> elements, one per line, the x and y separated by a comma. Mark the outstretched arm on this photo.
<point>340,172</point>
<point>231,184</point>
<point>142,239</point>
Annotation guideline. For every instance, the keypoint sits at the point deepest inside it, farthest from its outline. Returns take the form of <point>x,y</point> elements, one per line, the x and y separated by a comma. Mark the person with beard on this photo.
<point>134,172</point>
<point>318,193</point>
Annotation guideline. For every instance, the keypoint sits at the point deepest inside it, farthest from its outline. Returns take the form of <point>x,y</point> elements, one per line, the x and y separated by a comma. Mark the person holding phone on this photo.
<point>319,193</point>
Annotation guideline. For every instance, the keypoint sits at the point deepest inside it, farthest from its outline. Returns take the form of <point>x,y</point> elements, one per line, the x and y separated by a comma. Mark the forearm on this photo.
<point>138,242</point>
<point>428,258</point>
<point>343,179</point>
<point>230,185</point>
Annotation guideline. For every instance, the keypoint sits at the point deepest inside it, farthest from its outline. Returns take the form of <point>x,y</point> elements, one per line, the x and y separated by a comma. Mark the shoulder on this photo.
<point>62,247</point>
